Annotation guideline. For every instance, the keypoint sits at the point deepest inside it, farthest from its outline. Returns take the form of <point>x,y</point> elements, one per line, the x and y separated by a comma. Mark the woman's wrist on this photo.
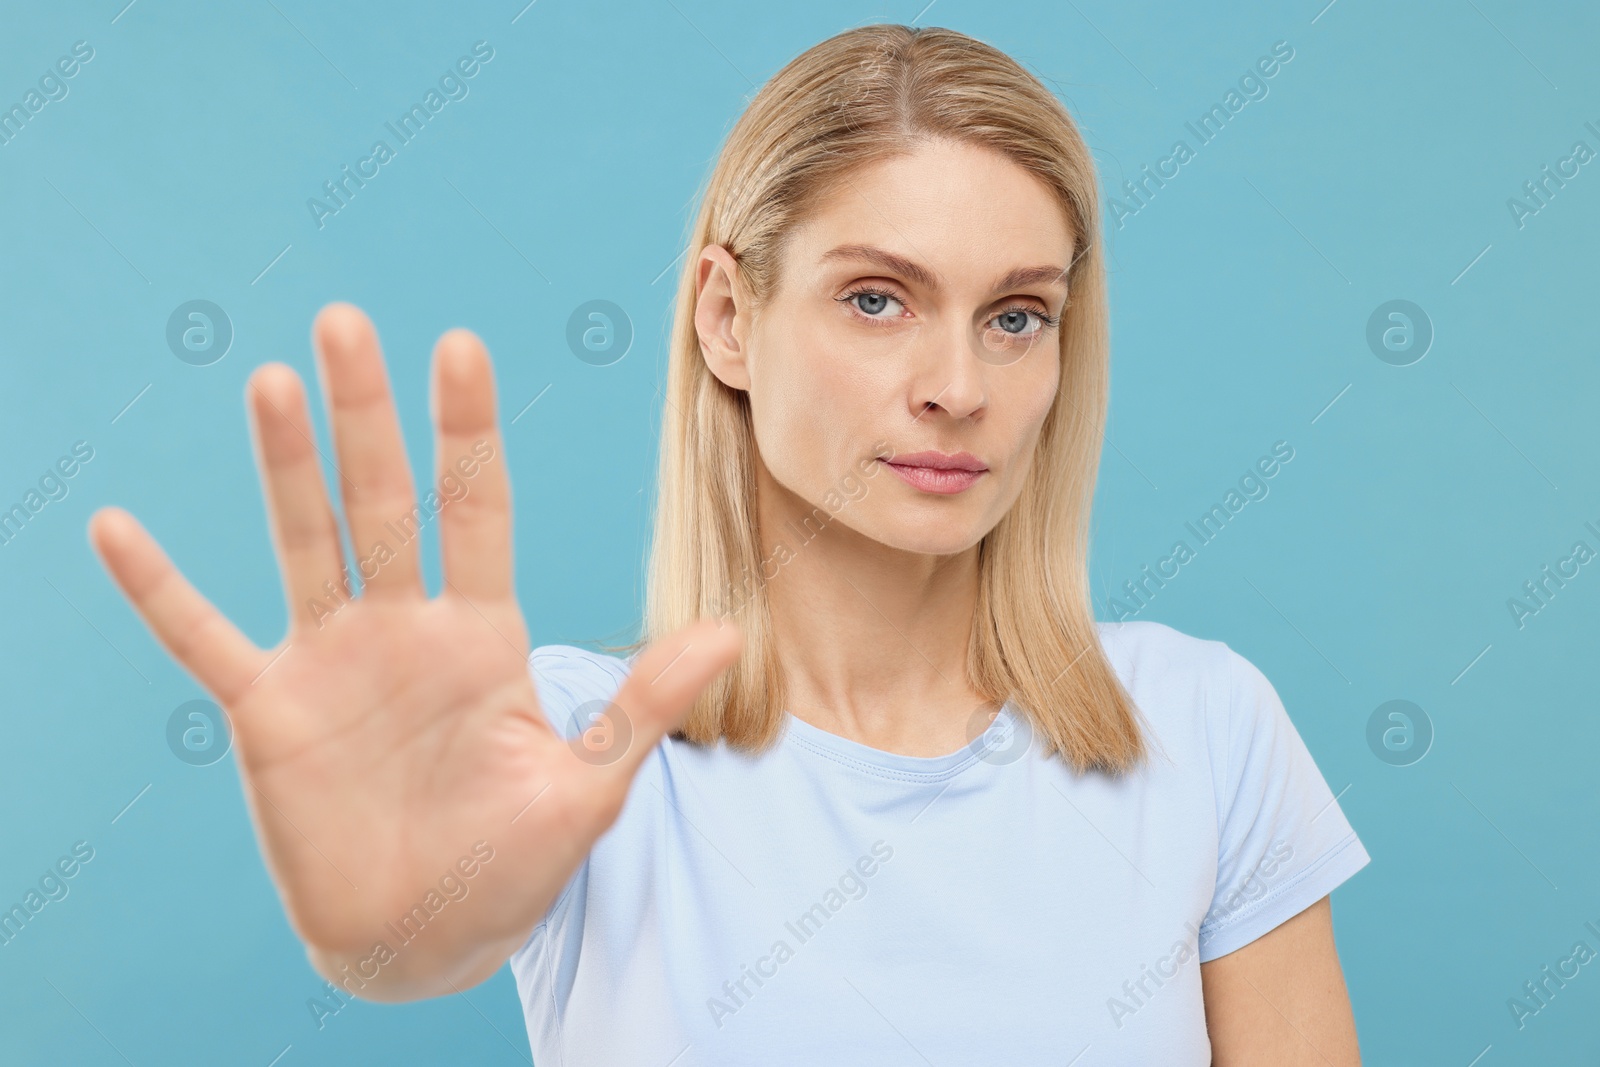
<point>390,973</point>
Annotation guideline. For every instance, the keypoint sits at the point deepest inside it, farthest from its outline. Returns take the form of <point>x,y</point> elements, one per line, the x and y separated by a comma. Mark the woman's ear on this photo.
<point>720,317</point>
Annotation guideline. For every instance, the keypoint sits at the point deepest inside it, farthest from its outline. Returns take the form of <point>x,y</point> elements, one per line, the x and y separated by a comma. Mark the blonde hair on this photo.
<point>857,98</point>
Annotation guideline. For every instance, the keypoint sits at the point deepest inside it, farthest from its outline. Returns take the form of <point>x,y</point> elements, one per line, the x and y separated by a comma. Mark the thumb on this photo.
<point>667,678</point>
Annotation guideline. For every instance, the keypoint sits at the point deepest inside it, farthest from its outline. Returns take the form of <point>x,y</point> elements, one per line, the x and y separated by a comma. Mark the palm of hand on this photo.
<point>390,734</point>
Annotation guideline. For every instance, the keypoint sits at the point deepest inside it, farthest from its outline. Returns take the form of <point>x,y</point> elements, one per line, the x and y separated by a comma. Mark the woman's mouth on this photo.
<point>936,472</point>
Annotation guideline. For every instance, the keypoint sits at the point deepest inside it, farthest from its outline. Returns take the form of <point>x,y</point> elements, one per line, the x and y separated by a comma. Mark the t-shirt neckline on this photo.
<point>885,764</point>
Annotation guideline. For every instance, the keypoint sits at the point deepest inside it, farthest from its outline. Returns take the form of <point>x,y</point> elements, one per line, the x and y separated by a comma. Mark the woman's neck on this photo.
<point>872,639</point>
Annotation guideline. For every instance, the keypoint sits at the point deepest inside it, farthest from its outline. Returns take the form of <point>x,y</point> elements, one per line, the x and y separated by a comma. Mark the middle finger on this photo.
<point>375,474</point>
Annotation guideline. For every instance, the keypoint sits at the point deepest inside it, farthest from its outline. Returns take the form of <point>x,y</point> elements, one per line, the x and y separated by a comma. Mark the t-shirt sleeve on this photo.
<point>572,683</point>
<point>1283,842</point>
<point>568,681</point>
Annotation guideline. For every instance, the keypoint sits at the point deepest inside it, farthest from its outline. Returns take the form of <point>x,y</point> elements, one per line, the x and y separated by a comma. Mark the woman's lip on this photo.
<point>934,479</point>
<point>964,461</point>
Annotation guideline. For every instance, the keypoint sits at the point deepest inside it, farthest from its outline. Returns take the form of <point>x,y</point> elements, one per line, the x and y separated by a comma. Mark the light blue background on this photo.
<point>1378,568</point>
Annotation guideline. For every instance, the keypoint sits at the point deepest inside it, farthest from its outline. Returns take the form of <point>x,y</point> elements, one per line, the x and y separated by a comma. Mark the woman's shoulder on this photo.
<point>1149,652</point>
<point>1148,632</point>
<point>568,677</point>
<point>571,658</point>
<point>1184,684</point>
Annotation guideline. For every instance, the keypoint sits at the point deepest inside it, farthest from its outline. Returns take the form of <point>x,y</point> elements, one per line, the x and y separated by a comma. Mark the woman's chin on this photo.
<point>914,533</point>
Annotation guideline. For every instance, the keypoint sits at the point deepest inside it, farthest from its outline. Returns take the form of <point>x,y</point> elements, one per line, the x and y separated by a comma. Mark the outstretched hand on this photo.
<point>389,734</point>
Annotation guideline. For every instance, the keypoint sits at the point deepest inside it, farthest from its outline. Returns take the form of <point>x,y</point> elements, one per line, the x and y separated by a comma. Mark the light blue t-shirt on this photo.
<point>831,903</point>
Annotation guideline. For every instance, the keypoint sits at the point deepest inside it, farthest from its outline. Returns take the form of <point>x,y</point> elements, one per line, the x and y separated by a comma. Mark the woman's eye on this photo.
<point>873,304</point>
<point>1015,321</point>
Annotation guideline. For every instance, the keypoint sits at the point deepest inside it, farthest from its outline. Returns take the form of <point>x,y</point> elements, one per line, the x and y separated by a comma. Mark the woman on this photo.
<point>879,789</point>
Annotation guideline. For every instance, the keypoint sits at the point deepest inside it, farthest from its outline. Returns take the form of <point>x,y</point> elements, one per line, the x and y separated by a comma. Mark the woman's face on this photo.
<point>900,375</point>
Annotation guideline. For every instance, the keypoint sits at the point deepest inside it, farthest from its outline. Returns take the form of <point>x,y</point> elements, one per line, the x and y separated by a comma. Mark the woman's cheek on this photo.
<point>1038,397</point>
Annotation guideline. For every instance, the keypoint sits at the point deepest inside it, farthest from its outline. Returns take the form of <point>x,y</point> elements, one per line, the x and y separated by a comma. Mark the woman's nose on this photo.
<point>951,377</point>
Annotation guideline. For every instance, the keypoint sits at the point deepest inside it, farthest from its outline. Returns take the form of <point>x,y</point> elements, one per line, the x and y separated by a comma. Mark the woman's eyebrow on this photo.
<point>1023,277</point>
<point>898,264</point>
